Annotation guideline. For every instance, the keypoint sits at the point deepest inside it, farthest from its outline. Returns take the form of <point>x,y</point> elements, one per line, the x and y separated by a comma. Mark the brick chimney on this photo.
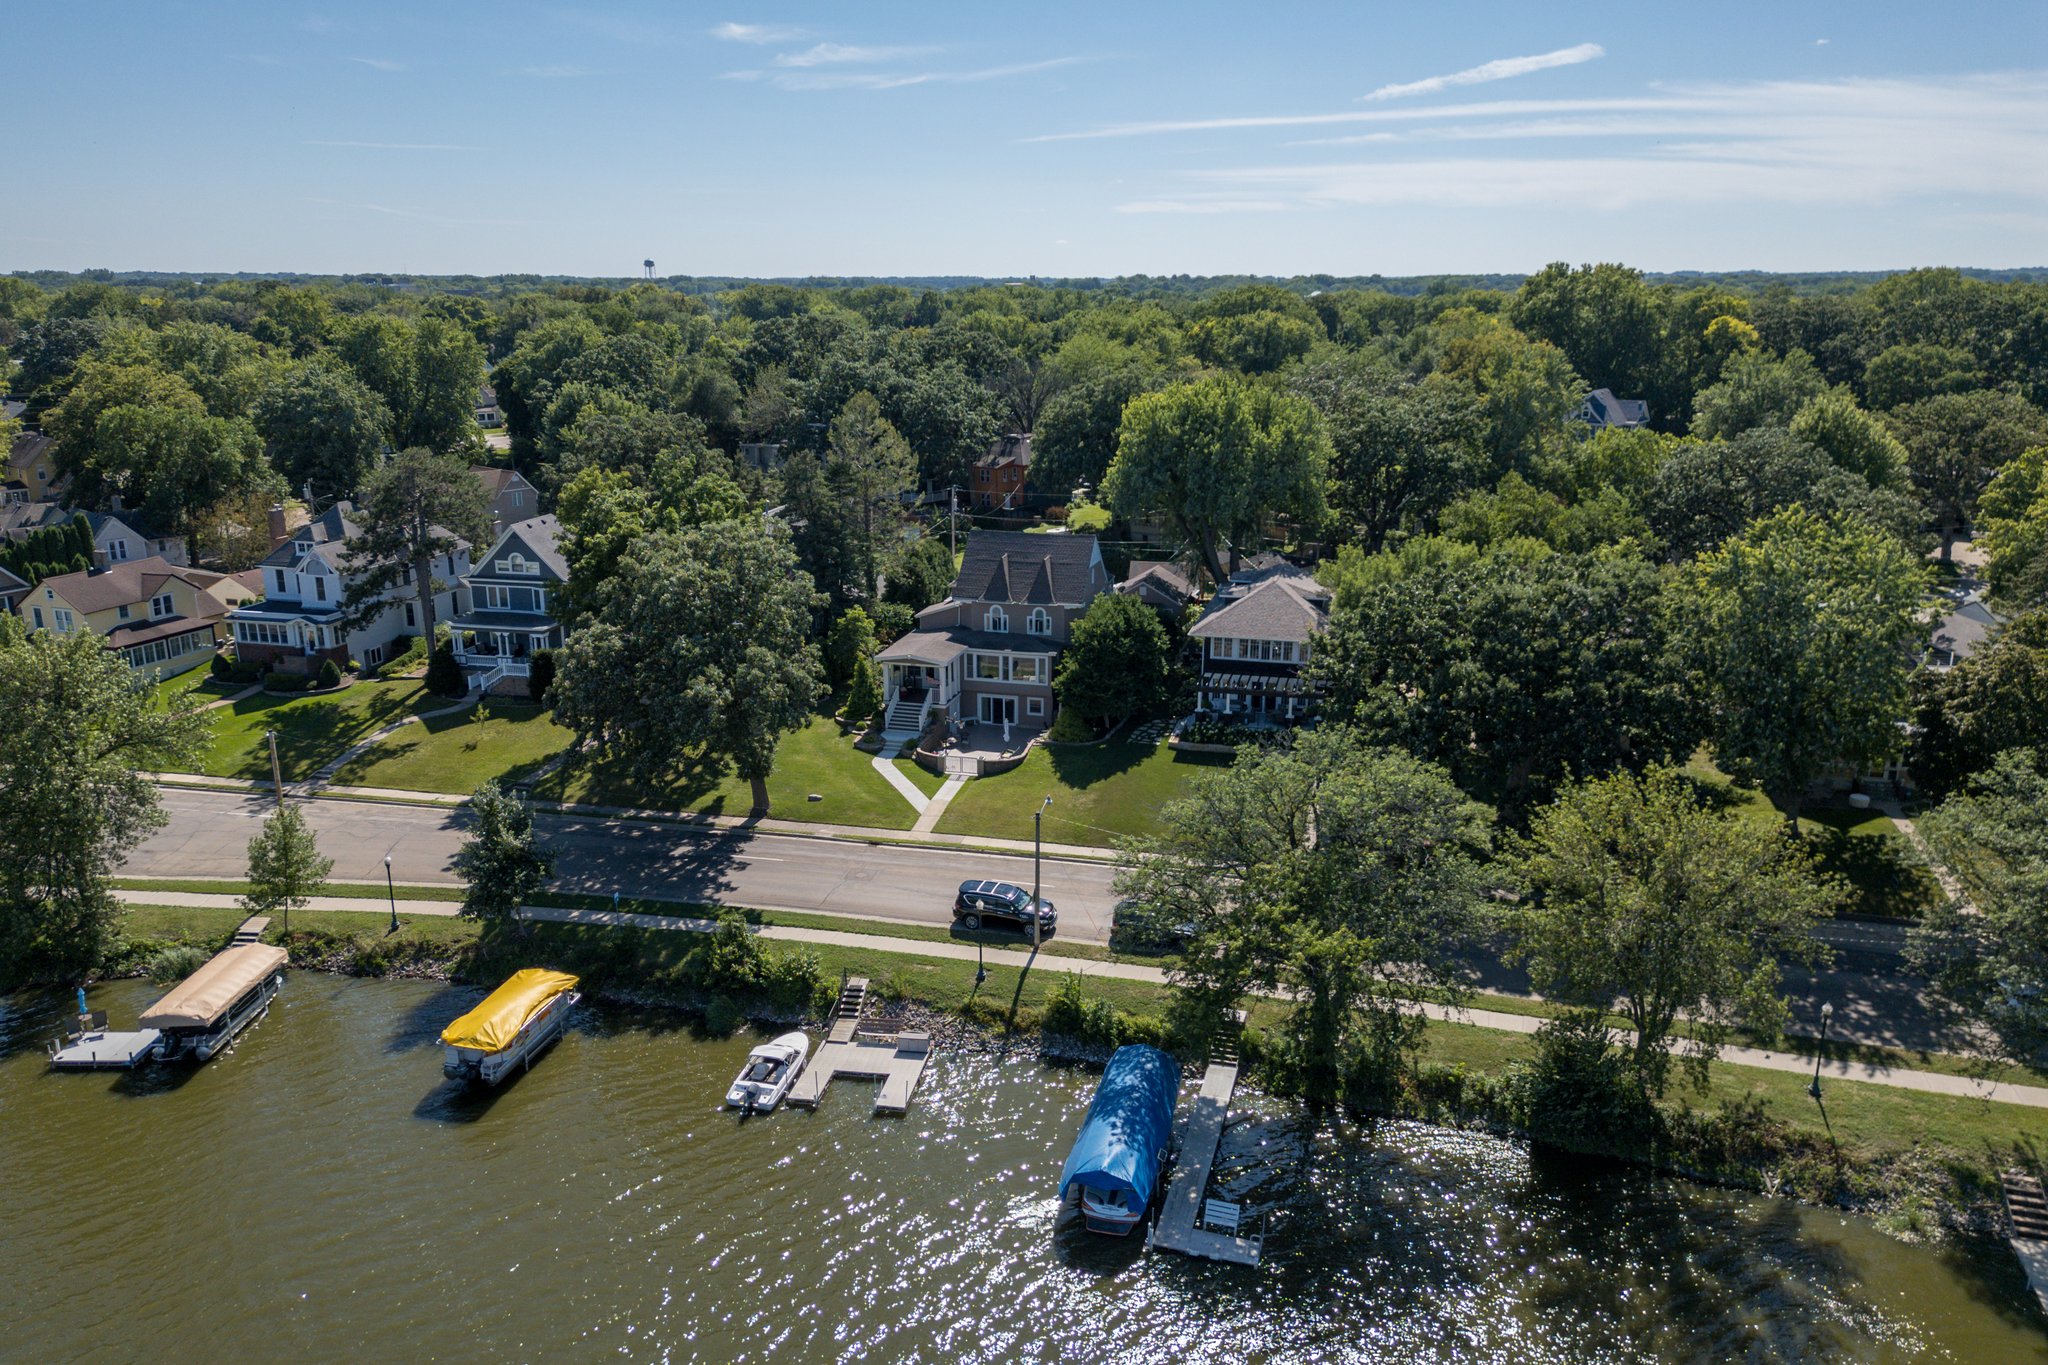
<point>279,532</point>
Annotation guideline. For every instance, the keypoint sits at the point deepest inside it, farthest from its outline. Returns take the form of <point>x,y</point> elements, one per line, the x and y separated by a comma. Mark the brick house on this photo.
<point>987,653</point>
<point>997,481</point>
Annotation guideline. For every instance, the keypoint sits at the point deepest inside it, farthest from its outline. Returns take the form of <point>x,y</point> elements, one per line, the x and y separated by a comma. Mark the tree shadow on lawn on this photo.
<point>1081,767</point>
<point>311,731</point>
<point>1888,877</point>
<point>406,742</point>
<point>590,779</point>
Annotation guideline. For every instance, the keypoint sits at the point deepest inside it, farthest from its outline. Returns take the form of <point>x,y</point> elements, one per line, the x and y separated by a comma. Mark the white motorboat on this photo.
<point>771,1070</point>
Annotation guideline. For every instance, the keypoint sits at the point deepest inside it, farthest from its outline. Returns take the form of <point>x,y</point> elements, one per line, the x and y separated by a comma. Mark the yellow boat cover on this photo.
<point>203,997</point>
<point>499,1016</point>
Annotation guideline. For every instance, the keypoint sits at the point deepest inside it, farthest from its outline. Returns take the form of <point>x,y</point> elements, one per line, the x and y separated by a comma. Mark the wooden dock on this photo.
<point>864,1050</point>
<point>2026,1228</point>
<point>251,931</point>
<point>1189,1222</point>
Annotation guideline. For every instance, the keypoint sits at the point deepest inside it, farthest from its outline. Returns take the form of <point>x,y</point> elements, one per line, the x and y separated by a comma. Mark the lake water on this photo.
<point>319,1193</point>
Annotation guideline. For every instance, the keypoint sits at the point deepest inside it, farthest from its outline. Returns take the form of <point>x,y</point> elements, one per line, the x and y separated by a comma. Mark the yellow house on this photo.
<point>160,618</point>
<point>30,464</point>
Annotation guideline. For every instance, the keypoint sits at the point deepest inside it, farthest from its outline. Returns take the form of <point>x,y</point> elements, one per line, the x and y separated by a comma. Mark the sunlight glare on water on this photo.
<point>320,1193</point>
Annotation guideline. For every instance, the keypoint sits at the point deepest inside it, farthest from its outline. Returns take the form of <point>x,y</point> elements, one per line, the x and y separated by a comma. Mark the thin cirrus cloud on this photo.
<point>897,80</point>
<point>379,63</point>
<point>1852,142</point>
<point>843,54</point>
<point>1502,69</point>
<point>555,72</point>
<point>757,33</point>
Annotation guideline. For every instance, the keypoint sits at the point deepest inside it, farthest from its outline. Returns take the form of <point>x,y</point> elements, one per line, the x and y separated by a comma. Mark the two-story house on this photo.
<point>32,467</point>
<point>161,618</point>
<point>999,477</point>
<point>117,536</point>
<point>509,603</point>
<point>512,497</point>
<point>1255,637</point>
<point>299,623</point>
<point>987,653</point>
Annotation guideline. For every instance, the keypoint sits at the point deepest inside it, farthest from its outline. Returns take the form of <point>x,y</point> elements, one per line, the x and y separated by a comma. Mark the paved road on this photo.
<point>209,834</point>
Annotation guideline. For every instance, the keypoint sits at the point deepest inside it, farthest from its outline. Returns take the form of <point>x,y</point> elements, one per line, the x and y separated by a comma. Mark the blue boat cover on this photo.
<point>1128,1127</point>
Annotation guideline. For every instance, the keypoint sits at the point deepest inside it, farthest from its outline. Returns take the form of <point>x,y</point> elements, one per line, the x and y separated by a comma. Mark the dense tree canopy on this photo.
<point>1801,633</point>
<point>81,734</point>
<point>699,652</point>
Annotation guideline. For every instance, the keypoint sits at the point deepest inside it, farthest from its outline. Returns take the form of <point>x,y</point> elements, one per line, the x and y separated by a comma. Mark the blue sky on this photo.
<point>1051,139</point>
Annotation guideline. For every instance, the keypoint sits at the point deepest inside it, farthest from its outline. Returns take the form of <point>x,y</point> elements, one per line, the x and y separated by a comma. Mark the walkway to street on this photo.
<point>770,824</point>
<point>1930,1082</point>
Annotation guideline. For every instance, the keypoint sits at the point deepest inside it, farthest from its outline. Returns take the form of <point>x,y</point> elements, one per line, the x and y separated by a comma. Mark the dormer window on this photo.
<point>161,606</point>
<point>1039,622</point>
<point>997,620</point>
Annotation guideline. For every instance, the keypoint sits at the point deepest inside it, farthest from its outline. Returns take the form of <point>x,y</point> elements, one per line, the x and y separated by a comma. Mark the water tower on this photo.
<point>647,270</point>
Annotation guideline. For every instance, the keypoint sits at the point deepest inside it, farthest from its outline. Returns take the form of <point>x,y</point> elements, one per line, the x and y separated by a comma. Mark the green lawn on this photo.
<point>1098,792</point>
<point>1864,847</point>
<point>816,759</point>
<point>311,730</point>
<point>928,783</point>
<point>197,683</point>
<point>496,739</point>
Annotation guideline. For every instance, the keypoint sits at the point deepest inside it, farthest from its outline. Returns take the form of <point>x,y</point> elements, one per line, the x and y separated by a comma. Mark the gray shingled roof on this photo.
<point>1278,609</point>
<point>1160,574</point>
<point>1963,631</point>
<point>1015,566</point>
<point>1011,449</point>
<point>542,538</point>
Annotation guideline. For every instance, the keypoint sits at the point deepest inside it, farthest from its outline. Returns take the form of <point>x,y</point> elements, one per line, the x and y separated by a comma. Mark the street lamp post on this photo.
<point>1827,1012</point>
<point>392,892</point>
<point>1037,830</point>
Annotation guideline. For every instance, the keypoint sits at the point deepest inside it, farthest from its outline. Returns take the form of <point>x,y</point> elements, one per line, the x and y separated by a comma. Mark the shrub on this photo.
<point>1578,1091</point>
<point>1072,1013</point>
<point>444,675</point>
<point>330,674</point>
<point>221,669</point>
<point>409,651</point>
<point>168,966</point>
<point>851,639</point>
<point>287,682</point>
<point>1069,728</point>
<point>864,697</point>
<point>540,675</point>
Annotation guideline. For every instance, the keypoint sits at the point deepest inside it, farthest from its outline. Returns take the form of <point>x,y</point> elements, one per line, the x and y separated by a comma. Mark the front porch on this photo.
<point>921,674</point>
<point>490,648</point>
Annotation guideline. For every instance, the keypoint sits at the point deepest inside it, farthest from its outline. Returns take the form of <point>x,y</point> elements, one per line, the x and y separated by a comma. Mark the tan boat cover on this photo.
<point>498,1017</point>
<point>203,997</point>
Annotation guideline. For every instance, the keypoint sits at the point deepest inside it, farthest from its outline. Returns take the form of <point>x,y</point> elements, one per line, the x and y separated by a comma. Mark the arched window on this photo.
<point>1039,622</point>
<point>515,563</point>
<point>998,620</point>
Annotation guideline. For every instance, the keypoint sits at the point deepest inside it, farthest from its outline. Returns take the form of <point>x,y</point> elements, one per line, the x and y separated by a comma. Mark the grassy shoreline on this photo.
<point>1923,1165</point>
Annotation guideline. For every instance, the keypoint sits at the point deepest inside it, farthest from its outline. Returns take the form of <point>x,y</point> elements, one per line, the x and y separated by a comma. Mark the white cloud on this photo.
<point>1440,111</point>
<point>896,80</point>
<point>391,146</point>
<point>1863,143</point>
<point>838,54</point>
<point>380,63</point>
<point>757,33</point>
<point>1504,68</point>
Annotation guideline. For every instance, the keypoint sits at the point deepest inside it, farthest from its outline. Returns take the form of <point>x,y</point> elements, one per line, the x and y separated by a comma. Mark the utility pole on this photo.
<point>953,520</point>
<point>1037,828</point>
<point>276,776</point>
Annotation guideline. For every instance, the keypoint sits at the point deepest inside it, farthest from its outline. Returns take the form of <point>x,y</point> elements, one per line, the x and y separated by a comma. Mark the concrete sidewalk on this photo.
<point>770,825</point>
<point>1928,1082</point>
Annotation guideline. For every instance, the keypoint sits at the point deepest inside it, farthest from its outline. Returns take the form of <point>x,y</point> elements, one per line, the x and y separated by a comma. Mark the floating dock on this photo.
<point>98,1049</point>
<point>878,1050</point>
<point>1189,1222</point>
<point>2026,1229</point>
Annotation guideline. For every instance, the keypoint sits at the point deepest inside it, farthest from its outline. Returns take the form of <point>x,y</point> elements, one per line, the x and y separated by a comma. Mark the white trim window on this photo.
<point>161,605</point>
<point>117,550</point>
<point>1039,622</point>
<point>496,597</point>
<point>64,620</point>
<point>1034,706</point>
<point>997,621</point>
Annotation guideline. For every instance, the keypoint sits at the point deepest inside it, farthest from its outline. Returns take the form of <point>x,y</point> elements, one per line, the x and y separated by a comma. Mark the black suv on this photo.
<point>1006,903</point>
